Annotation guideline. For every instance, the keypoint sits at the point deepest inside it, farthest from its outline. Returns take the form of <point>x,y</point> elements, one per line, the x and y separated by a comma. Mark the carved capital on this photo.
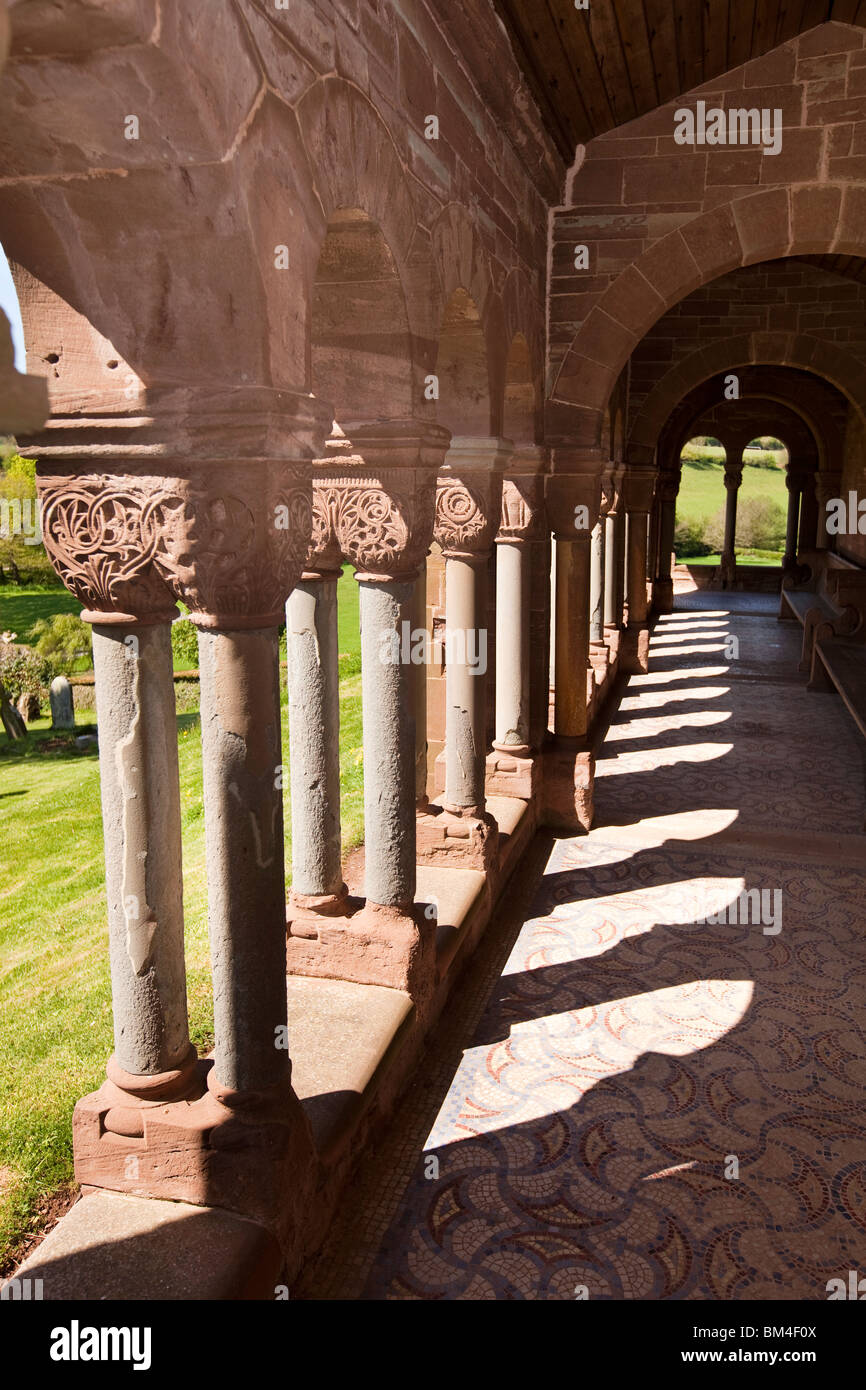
<point>638,488</point>
<point>230,540</point>
<point>827,485</point>
<point>522,510</point>
<point>469,496</point>
<point>91,528</point>
<point>668,485</point>
<point>374,498</point>
<point>733,477</point>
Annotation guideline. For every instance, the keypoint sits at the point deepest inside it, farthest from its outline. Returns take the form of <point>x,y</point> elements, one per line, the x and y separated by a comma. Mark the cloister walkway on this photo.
<point>633,1104</point>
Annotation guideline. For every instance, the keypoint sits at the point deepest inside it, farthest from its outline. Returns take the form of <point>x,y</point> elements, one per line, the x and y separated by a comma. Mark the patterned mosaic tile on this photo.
<point>651,1105</point>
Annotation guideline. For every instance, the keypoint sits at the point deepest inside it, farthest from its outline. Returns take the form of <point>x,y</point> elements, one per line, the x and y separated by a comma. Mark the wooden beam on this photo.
<point>715,37</point>
<point>635,41</point>
<point>576,41</point>
<point>611,59</point>
<point>741,36</point>
<point>663,46</point>
<point>766,18</point>
<point>688,18</point>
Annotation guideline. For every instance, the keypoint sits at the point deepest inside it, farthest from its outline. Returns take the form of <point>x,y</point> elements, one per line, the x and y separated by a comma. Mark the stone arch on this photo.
<point>808,396</point>
<point>354,165</point>
<point>360,345</point>
<point>779,223</point>
<point>462,367</point>
<point>810,354</point>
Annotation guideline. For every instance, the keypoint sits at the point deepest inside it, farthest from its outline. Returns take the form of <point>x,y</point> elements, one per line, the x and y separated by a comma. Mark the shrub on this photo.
<point>760,524</point>
<point>24,672</point>
<point>64,641</point>
<point>689,540</point>
<point>184,644</point>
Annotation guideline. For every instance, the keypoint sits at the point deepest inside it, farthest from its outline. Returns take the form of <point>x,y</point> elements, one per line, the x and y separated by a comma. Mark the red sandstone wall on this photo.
<point>661,219</point>
<point>854,480</point>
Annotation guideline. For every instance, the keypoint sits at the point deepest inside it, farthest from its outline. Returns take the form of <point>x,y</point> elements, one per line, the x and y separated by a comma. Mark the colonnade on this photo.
<point>247,544</point>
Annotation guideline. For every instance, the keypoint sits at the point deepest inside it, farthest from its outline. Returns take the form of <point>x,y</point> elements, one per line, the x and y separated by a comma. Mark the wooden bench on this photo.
<point>827,594</point>
<point>840,664</point>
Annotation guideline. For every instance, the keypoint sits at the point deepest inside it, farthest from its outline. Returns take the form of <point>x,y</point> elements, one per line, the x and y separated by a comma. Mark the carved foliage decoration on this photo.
<point>232,551</point>
<point>464,518</point>
<point>381,524</point>
<point>228,541</point>
<point>92,532</point>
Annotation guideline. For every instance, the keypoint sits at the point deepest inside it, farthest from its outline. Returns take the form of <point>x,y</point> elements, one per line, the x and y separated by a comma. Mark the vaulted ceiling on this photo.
<point>594,69</point>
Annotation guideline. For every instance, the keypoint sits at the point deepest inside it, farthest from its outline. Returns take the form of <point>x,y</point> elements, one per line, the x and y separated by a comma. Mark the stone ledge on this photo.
<point>342,1037</point>
<point>109,1246</point>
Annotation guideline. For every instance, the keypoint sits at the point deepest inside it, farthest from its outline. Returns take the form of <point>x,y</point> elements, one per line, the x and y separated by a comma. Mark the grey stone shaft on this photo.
<point>243,806</point>
<point>465,691</point>
<point>512,643</point>
<point>387,685</point>
<point>314,724</point>
<point>141,821</point>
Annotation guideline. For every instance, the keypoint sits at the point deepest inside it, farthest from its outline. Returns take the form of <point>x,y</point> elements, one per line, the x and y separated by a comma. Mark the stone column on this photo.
<point>599,654</point>
<point>227,531</point>
<point>511,770</point>
<point>827,485</point>
<point>418,673</point>
<point>639,483</point>
<point>794,484</point>
<point>663,589</point>
<point>314,724</point>
<point>374,506</point>
<point>573,498</point>
<point>91,526</point>
<point>611,617</point>
<point>733,482</point>
<point>620,527</point>
<point>231,539</point>
<point>468,511</point>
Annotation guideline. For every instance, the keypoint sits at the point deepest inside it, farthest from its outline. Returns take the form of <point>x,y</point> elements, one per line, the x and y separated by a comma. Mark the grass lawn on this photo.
<point>55,1000</point>
<point>702,494</point>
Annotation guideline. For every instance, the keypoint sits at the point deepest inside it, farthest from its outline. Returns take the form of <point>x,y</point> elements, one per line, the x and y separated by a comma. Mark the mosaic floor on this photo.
<point>636,1105</point>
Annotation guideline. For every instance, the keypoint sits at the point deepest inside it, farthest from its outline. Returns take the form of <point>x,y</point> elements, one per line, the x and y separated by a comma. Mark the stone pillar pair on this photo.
<point>638,490</point>
<point>227,536</point>
<point>468,513</point>
<point>374,499</point>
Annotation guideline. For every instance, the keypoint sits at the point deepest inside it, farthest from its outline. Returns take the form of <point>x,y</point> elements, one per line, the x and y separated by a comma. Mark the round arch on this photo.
<point>775,224</point>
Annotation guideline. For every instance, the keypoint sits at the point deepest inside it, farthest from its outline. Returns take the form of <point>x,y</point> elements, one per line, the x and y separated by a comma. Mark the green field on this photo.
<point>55,1002</point>
<point>702,490</point>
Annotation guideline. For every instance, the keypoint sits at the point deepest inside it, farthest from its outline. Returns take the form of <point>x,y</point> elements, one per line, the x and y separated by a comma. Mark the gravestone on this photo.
<point>29,707</point>
<point>62,712</point>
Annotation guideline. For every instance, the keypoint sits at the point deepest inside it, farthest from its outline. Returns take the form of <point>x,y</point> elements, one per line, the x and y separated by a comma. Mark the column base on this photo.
<point>634,656</point>
<point>250,1153</point>
<point>727,571</point>
<point>599,660</point>
<point>613,638</point>
<point>371,944</point>
<point>512,774</point>
<point>458,840</point>
<point>569,785</point>
<point>663,596</point>
<point>305,912</point>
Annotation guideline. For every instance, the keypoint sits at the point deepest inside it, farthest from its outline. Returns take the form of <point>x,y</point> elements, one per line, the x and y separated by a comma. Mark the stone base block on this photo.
<point>252,1153</point>
<point>634,657</point>
<point>508,775</point>
<point>450,839</point>
<point>372,945</point>
<point>569,781</point>
<point>599,660</point>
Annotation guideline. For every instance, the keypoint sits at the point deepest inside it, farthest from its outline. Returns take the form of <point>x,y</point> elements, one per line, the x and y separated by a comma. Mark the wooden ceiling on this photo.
<point>592,70</point>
